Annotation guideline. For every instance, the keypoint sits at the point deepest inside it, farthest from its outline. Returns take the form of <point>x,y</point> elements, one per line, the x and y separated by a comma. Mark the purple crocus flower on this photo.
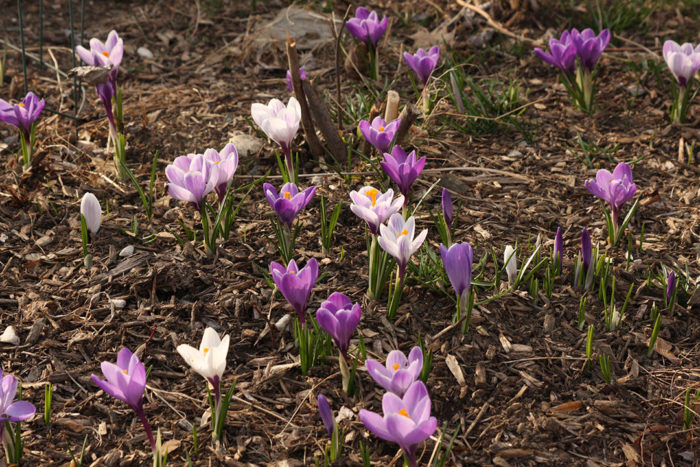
<point>562,53</point>
<point>23,114</point>
<point>366,27</point>
<point>379,133</point>
<point>558,247</point>
<point>423,63</point>
<point>191,178</point>
<point>289,202</point>
<point>288,79</point>
<point>589,47</point>
<point>12,411</point>
<point>586,250</point>
<point>126,381</point>
<point>670,285</point>
<point>295,284</point>
<point>324,409</point>
<point>399,372</point>
<point>683,60</point>
<point>447,207</point>
<point>616,188</point>
<point>226,162</point>
<point>402,168</point>
<point>339,318</point>
<point>457,261</point>
<point>396,238</point>
<point>406,421</point>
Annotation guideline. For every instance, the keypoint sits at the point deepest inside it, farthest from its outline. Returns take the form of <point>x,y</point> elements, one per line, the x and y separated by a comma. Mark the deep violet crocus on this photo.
<point>558,248</point>
<point>586,250</point>
<point>399,372</point>
<point>615,188</point>
<point>295,284</point>
<point>403,168</point>
<point>366,26</point>
<point>226,162</point>
<point>590,47</point>
<point>23,116</point>
<point>126,381</point>
<point>447,210</point>
<point>288,78</point>
<point>324,410</point>
<point>289,202</point>
<point>339,317</point>
<point>423,63</point>
<point>671,282</point>
<point>562,53</point>
<point>406,421</point>
<point>191,178</point>
<point>379,133</point>
<point>457,260</point>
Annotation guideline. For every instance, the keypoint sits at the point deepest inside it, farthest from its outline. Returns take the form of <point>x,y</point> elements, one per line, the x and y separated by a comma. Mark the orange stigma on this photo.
<point>381,128</point>
<point>21,104</point>
<point>396,366</point>
<point>106,54</point>
<point>404,413</point>
<point>218,162</point>
<point>287,195</point>
<point>403,232</point>
<point>372,194</point>
<point>124,371</point>
<point>206,349</point>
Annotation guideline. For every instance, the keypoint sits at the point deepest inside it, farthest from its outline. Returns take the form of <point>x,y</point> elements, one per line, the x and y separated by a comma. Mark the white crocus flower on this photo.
<point>279,122</point>
<point>92,212</point>
<point>210,360</point>
<point>375,207</point>
<point>396,238</point>
<point>511,262</point>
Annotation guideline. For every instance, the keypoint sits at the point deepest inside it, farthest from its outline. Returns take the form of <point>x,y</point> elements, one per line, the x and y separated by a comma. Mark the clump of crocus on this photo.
<point>375,207</point>
<point>577,75</point>
<point>457,260</point>
<point>288,78</point>
<point>109,54</point>
<point>288,203</point>
<point>209,361</point>
<point>23,116</point>
<point>399,372</point>
<point>397,239</point>
<point>339,317</point>
<point>126,381</point>
<point>510,259</point>
<point>191,178</point>
<point>226,162</point>
<point>295,284</point>
<point>684,62</point>
<point>12,411</point>
<point>403,168</point>
<point>280,123</point>
<point>368,28</point>
<point>616,189</point>
<point>585,264</point>
<point>379,133</point>
<point>406,421</point>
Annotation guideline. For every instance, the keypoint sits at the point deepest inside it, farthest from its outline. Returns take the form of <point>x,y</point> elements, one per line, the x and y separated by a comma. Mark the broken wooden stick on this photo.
<point>322,117</point>
<point>409,114</point>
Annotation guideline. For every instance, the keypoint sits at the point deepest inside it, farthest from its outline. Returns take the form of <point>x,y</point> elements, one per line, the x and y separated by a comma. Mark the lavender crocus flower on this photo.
<point>16,411</point>
<point>616,188</point>
<point>339,318</point>
<point>324,409</point>
<point>288,78</point>
<point>226,162</point>
<point>396,238</point>
<point>457,261</point>
<point>558,247</point>
<point>670,285</point>
<point>399,372</point>
<point>289,202</point>
<point>23,114</point>
<point>406,421</point>
<point>562,53</point>
<point>379,133</point>
<point>683,60</point>
<point>367,27</point>
<point>374,207</point>
<point>402,168</point>
<point>126,381</point>
<point>423,63</point>
<point>446,204</point>
<point>295,284</point>
<point>191,178</point>
<point>586,250</point>
<point>589,47</point>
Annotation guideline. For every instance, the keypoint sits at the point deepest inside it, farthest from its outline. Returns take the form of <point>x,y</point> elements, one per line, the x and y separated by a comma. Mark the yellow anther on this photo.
<point>218,162</point>
<point>287,195</point>
<point>124,371</point>
<point>403,232</point>
<point>404,413</point>
<point>106,54</point>
<point>381,128</point>
<point>372,194</point>
<point>396,366</point>
<point>21,104</point>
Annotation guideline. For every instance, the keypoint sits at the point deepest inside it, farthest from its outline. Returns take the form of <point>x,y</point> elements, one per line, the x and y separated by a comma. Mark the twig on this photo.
<point>409,114</point>
<point>323,119</point>
<point>338,34</point>
<point>493,23</point>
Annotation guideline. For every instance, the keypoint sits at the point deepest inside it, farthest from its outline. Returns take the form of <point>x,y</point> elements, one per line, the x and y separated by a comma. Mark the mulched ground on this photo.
<point>527,397</point>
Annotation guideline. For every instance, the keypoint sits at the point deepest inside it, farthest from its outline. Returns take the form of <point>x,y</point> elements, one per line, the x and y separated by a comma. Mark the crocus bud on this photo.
<point>670,285</point>
<point>558,247</point>
<point>92,212</point>
<point>324,409</point>
<point>586,250</point>
<point>447,207</point>
<point>511,263</point>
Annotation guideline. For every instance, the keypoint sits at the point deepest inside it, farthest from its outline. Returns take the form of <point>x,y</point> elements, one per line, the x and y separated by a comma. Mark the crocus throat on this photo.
<point>188,172</point>
<point>396,366</point>
<point>21,104</point>
<point>106,54</point>
<point>372,194</point>
<point>124,371</point>
<point>404,413</point>
<point>403,232</point>
<point>381,128</point>
<point>287,195</point>
<point>218,162</point>
<point>206,349</point>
